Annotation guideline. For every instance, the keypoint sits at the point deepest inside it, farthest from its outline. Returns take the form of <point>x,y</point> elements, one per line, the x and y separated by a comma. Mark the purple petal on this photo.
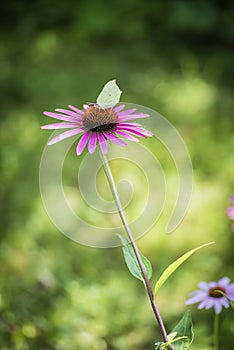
<point>223,282</point>
<point>230,291</point>
<point>92,143</point>
<point>114,139</point>
<point>127,136</point>
<point>60,126</point>
<point>204,286</point>
<point>65,135</point>
<point>196,297</point>
<point>67,112</point>
<point>119,108</point>
<point>224,302</point>
<point>82,143</point>
<point>232,198</point>
<point>102,142</point>
<point>217,307</point>
<point>60,116</point>
<point>77,110</point>
<point>204,304</point>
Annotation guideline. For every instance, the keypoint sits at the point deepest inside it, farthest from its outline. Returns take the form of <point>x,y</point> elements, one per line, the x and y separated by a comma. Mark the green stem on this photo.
<point>216,331</point>
<point>135,248</point>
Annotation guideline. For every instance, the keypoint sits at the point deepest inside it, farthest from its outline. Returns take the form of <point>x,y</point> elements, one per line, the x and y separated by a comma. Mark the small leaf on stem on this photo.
<point>171,268</point>
<point>184,329</point>
<point>131,260</point>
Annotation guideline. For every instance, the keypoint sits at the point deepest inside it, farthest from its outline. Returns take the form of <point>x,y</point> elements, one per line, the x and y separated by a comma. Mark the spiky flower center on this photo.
<point>215,292</point>
<point>100,120</point>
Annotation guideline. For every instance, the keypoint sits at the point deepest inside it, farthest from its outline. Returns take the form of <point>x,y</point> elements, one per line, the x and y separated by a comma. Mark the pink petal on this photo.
<point>67,112</point>
<point>127,112</point>
<point>77,110</point>
<point>119,108</point>
<point>134,127</point>
<point>129,124</point>
<point>134,116</point>
<point>60,116</point>
<point>114,139</point>
<point>131,131</point>
<point>82,143</point>
<point>60,126</point>
<point>127,136</point>
<point>102,143</point>
<point>65,135</point>
<point>92,143</point>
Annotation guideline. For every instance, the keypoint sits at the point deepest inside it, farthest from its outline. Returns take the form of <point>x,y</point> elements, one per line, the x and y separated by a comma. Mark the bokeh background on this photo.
<point>175,57</point>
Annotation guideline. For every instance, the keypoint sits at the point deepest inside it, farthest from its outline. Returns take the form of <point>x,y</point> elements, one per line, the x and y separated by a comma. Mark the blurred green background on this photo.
<point>173,56</point>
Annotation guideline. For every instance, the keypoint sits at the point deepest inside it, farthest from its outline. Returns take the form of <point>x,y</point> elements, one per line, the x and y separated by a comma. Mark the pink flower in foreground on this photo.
<point>208,295</point>
<point>97,126</point>
<point>230,212</point>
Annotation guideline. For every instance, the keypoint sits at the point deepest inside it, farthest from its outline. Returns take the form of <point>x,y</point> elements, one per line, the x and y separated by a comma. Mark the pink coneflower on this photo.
<point>209,296</point>
<point>97,126</point>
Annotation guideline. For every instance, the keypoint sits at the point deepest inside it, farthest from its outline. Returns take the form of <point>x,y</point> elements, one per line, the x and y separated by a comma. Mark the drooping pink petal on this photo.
<point>77,110</point>
<point>61,126</point>
<point>65,135</point>
<point>129,127</point>
<point>102,142</point>
<point>131,131</point>
<point>68,112</point>
<point>60,116</point>
<point>92,142</point>
<point>127,136</point>
<point>82,143</point>
<point>114,139</point>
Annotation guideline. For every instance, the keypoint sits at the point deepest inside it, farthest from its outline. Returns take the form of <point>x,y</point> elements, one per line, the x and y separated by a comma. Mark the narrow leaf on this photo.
<point>110,95</point>
<point>131,260</point>
<point>184,330</point>
<point>171,268</point>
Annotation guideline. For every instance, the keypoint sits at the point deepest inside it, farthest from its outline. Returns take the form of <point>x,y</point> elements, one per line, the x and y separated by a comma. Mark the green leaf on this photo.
<point>131,260</point>
<point>171,268</point>
<point>110,95</point>
<point>183,329</point>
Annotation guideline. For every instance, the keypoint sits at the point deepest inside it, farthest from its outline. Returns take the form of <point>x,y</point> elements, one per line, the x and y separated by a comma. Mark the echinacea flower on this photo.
<point>230,210</point>
<point>211,295</point>
<point>97,126</point>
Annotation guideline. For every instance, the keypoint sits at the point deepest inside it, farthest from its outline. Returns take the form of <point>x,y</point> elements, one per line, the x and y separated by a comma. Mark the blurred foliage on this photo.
<point>173,56</point>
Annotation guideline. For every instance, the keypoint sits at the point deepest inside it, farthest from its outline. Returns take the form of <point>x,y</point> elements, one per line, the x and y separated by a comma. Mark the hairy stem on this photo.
<point>135,248</point>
